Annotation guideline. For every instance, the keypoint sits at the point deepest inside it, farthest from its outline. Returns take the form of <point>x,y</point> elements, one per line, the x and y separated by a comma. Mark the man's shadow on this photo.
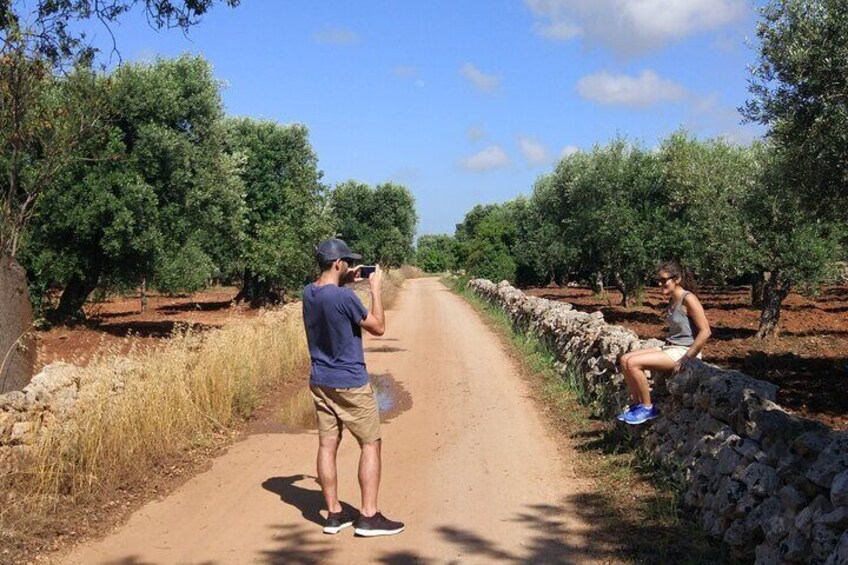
<point>310,502</point>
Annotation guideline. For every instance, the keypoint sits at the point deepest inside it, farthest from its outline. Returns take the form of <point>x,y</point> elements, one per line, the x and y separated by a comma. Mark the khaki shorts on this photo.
<point>676,352</point>
<point>351,408</point>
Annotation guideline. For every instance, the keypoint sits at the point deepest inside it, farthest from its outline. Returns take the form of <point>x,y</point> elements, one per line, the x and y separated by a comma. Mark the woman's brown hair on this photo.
<point>676,270</point>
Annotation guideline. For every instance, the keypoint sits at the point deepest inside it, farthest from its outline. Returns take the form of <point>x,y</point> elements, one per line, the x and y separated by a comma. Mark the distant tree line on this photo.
<point>137,178</point>
<point>613,213</point>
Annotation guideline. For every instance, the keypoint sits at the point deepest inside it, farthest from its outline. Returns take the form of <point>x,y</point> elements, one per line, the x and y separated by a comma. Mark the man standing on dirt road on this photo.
<point>334,318</point>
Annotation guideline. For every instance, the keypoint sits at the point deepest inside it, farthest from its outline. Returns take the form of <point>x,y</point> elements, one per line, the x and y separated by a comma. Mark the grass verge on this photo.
<point>638,504</point>
<point>139,416</point>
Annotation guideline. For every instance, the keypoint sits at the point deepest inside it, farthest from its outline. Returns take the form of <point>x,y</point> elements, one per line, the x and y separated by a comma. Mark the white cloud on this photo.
<point>475,132</point>
<point>535,153</point>
<point>622,90</point>
<point>492,157</point>
<point>569,150</point>
<point>337,36</point>
<point>480,80</point>
<point>558,30</point>
<point>410,73</point>
<point>632,27</point>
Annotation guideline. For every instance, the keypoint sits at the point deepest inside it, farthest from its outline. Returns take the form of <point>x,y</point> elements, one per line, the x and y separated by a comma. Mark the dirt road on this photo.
<point>469,467</point>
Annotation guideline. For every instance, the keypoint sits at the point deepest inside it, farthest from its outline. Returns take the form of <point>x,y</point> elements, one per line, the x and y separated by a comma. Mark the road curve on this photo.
<point>470,467</point>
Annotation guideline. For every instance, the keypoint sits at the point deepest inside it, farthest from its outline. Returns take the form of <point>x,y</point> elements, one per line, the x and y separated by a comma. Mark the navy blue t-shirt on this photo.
<point>331,315</point>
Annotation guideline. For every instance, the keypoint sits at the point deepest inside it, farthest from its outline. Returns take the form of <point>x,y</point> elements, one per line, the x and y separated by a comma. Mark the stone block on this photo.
<point>830,462</point>
<point>838,518</point>
<point>13,401</point>
<point>727,390</point>
<point>792,498</point>
<point>795,548</point>
<point>823,540</point>
<point>839,489</point>
<point>812,443</point>
<point>22,433</point>
<point>840,554</point>
<point>739,534</point>
<point>728,460</point>
<point>760,479</point>
<point>806,518</point>
<point>766,554</point>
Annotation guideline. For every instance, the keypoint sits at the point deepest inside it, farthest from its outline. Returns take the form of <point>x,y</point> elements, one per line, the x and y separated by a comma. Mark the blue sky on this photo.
<point>469,102</point>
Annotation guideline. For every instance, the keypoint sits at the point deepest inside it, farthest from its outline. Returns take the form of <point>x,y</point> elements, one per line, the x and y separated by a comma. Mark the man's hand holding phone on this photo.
<point>375,277</point>
<point>371,273</point>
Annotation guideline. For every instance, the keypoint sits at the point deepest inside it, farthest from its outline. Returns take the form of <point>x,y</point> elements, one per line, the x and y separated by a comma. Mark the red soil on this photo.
<point>808,360</point>
<point>118,325</point>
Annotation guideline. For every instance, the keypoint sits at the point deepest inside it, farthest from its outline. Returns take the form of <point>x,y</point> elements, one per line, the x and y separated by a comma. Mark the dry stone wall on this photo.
<point>772,486</point>
<point>52,399</point>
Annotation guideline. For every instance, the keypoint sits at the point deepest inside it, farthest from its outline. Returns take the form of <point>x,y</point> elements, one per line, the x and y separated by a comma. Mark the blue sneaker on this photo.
<point>641,415</point>
<point>630,408</point>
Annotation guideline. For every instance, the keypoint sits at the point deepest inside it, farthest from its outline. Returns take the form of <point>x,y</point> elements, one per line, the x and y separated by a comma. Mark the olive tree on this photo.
<point>799,90</point>
<point>157,200</point>
<point>285,207</point>
<point>377,222</point>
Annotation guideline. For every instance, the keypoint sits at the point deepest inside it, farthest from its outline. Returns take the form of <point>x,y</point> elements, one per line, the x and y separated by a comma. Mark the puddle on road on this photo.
<point>392,398</point>
<point>298,414</point>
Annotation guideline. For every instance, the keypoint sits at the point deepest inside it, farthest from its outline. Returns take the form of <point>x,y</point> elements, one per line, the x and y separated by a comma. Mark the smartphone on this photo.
<point>366,270</point>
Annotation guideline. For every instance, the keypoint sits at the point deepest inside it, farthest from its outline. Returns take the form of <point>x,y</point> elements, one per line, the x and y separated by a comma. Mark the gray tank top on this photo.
<point>679,327</point>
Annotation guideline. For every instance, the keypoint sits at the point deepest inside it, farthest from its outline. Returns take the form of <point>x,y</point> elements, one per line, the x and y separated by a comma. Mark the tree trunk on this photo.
<point>622,287</point>
<point>599,283</point>
<point>257,292</point>
<point>76,292</point>
<point>775,292</point>
<point>757,289</point>
<point>17,347</point>
<point>242,295</point>
<point>143,294</point>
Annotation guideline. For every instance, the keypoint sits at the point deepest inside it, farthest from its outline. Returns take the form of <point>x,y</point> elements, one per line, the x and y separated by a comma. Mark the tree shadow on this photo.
<point>723,333</point>
<point>383,349</point>
<point>605,534</point>
<point>172,309</point>
<point>668,536</point>
<point>807,384</point>
<point>617,317</point>
<point>159,329</point>
<point>297,545</point>
<point>728,306</point>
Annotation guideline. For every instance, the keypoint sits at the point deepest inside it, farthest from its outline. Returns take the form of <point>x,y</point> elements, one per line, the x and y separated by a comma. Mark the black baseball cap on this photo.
<point>333,249</point>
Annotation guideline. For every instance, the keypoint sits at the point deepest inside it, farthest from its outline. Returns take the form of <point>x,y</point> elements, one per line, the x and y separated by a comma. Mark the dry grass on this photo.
<point>136,412</point>
<point>393,282</point>
<point>299,411</point>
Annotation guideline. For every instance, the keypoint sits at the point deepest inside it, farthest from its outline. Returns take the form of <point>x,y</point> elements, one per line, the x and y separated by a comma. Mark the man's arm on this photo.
<point>375,322</point>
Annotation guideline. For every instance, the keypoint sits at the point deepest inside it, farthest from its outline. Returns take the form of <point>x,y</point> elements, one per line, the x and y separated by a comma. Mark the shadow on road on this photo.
<point>309,501</point>
<point>549,538</point>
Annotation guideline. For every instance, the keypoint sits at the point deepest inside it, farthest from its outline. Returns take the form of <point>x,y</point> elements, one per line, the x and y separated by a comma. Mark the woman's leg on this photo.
<point>629,379</point>
<point>635,367</point>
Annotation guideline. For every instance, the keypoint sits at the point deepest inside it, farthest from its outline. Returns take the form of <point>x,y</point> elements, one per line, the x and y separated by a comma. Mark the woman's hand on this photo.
<point>681,363</point>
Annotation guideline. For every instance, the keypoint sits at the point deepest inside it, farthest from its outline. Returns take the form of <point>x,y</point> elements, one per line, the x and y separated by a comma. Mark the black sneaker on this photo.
<point>337,521</point>
<point>376,525</point>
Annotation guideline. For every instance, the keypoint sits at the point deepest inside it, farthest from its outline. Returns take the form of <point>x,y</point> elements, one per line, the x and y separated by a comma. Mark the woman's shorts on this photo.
<point>676,352</point>
<point>351,408</point>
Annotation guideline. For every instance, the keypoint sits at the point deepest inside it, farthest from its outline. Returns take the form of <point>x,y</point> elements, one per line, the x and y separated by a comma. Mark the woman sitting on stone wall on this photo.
<point>680,347</point>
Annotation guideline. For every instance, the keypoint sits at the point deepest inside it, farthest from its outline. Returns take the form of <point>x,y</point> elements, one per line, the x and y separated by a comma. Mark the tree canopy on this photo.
<point>379,223</point>
<point>285,206</point>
